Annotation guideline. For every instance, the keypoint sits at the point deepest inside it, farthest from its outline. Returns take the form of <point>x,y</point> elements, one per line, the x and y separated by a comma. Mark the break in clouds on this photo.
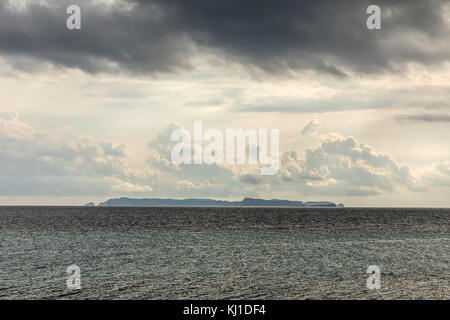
<point>146,37</point>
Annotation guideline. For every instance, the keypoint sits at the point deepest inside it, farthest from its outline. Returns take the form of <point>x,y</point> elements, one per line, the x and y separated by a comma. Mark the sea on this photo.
<point>224,253</point>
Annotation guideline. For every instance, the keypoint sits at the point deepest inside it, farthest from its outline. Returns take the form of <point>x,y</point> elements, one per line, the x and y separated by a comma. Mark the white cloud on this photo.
<point>339,166</point>
<point>130,187</point>
<point>186,184</point>
<point>60,161</point>
<point>343,166</point>
<point>436,174</point>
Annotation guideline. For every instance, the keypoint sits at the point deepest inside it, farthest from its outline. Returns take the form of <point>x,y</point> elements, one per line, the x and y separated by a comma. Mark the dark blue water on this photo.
<point>224,253</point>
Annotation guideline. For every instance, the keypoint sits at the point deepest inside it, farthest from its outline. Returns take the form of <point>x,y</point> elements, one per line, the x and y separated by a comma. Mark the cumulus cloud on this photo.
<point>343,166</point>
<point>436,174</point>
<point>60,161</point>
<point>188,180</point>
<point>339,166</point>
<point>147,36</point>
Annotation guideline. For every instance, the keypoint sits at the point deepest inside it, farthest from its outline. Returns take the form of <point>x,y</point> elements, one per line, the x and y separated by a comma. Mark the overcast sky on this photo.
<point>364,115</point>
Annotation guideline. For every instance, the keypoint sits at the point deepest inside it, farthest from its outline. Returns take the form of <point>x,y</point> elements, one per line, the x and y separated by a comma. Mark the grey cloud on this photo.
<point>432,98</point>
<point>311,127</point>
<point>342,166</point>
<point>163,35</point>
<point>110,150</point>
<point>424,117</point>
<point>138,39</point>
<point>206,102</point>
<point>437,174</point>
<point>328,36</point>
<point>302,105</point>
<point>61,162</point>
<point>251,179</point>
<point>167,179</point>
<point>339,166</point>
<point>310,177</point>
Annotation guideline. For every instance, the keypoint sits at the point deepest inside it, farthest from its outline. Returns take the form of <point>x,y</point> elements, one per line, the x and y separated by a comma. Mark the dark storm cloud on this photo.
<point>112,38</point>
<point>323,35</point>
<point>424,117</point>
<point>276,37</point>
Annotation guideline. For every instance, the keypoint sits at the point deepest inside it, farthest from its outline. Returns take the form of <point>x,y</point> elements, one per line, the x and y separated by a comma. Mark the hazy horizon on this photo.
<point>71,202</point>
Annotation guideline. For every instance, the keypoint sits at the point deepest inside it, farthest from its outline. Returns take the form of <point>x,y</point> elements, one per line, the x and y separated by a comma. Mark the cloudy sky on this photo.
<point>364,115</point>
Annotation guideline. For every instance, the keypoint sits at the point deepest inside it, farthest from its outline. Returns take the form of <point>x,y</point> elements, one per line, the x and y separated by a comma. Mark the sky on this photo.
<point>87,115</point>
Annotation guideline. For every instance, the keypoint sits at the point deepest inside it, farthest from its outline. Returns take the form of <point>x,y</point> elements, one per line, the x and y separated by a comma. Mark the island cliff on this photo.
<point>246,202</point>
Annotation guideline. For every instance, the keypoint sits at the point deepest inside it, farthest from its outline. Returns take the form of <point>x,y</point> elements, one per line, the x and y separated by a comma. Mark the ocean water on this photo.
<point>224,253</point>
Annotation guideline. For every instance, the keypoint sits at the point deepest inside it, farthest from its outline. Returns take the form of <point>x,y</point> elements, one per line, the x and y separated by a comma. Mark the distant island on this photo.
<point>246,202</point>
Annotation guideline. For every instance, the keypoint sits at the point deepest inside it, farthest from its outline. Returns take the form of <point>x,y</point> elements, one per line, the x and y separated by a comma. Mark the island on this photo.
<point>193,202</point>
